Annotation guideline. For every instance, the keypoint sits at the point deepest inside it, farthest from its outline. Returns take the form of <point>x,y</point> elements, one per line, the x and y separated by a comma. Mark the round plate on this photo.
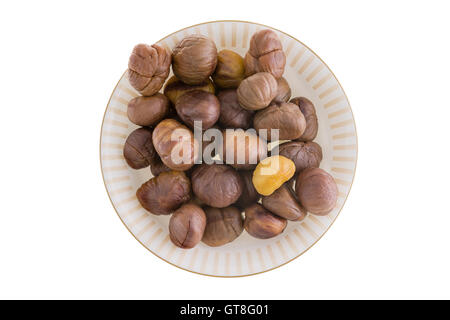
<point>308,76</point>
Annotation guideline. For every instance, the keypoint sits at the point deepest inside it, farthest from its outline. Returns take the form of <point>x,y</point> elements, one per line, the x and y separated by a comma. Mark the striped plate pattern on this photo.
<point>308,76</point>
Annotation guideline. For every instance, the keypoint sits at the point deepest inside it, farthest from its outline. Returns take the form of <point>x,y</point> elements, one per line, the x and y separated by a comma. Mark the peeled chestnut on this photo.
<point>249,194</point>
<point>175,88</point>
<point>217,185</point>
<point>316,190</point>
<point>261,223</point>
<point>148,68</point>
<point>232,115</point>
<point>265,54</point>
<point>243,149</point>
<point>230,70</point>
<point>304,154</point>
<point>175,144</point>
<point>138,150</point>
<point>222,225</point>
<point>187,225</point>
<point>284,116</point>
<point>199,106</point>
<point>257,91</point>
<point>283,91</point>
<point>283,203</point>
<point>194,59</point>
<point>148,111</point>
<point>271,173</point>
<point>165,193</point>
<point>309,112</point>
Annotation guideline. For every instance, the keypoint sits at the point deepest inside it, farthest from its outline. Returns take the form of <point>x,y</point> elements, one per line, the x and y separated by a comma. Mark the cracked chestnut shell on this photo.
<point>265,54</point>
<point>198,105</point>
<point>230,70</point>
<point>261,223</point>
<point>217,185</point>
<point>232,115</point>
<point>284,116</point>
<point>309,112</point>
<point>303,154</point>
<point>243,149</point>
<point>283,91</point>
<point>138,150</point>
<point>148,111</point>
<point>316,190</point>
<point>257,91</point>
<point>187,225</point>
<point>283,203</point>
<point>148,68</point>
<point>175,88</point>
<point>194,59</point>
<point>249,194</point>
<point>223,225</point>
<point>165,193</point>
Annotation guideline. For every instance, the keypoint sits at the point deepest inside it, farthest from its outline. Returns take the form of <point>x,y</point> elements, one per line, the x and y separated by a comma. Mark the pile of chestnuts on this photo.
<point>244,186</point>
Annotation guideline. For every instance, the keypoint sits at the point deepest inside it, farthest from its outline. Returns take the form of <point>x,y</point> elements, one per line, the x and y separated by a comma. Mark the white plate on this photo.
<point>308,76</point>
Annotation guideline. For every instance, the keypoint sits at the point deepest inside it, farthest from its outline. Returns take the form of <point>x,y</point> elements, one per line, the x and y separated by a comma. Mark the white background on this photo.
<point>60,236</point>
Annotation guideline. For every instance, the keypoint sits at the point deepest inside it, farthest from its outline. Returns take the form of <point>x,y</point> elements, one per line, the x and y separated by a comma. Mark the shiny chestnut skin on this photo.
<point>265,54</point>
<point>165,193</point>
<point>243,149</point>
<point>304,154</point>
<point>232,115</point>
<point>171,139</point>
<point>249,194</point>
<point>175,88</point>
<point>257,91</point>
<point>283,203</point>
<point>316,190</point>
<point>138,150</point>
<point>187,225</point>
<point>194,59</point>
<point>283,91</point>
<point>148,111</point>
<point>309,112</point>
<point>217,185</point>
<point>261,223</point>
<point>230,70</point>
<point>198,105</point>
<point>148,68</point>
<point>284,116</point>
<point>223,225</point>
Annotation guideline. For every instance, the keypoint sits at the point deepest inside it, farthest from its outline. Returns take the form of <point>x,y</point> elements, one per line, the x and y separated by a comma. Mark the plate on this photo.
<point>308,76</point>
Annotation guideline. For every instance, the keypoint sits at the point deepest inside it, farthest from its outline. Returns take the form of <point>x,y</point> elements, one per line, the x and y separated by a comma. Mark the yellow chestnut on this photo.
<point>271,173</point>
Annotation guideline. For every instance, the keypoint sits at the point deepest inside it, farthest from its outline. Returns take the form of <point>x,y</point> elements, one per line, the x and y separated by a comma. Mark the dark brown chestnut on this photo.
<point>261,223</point>
<point>157,167</point>
<point>304,154</point>
<point>283,203</point>
<point>187,225</point>
<point>249,194</point>
<point>138,150</point>
<point>165,193</point>
<point>175,88</point>
<point>199,106</point>
<point>309,112</point>
<point>232,115</point>
<point>148,111</point>
<point>222,225</point>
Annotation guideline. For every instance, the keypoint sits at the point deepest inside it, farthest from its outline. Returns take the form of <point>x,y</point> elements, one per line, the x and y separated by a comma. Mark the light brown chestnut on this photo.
<point>232,115</point>
<point>222,225</point>
<point>261,223</point>
<point>230,70</point>
<point>187,225</point>
<point>283,91</point>
<point>316,190</point>
<point>243,149</point>
<point>304,154</point>
<point>194,59</point>
<point>198,106</point>
<point>148,111</point>
<point>283,203</point>
<point>138,150</point>
<point>309,112</point>
<point>165,193</point>
<point>148,68</point>
<point>249,194</point>
<point>265,54</point>
<point>257,91</point>
<point>175,88</point>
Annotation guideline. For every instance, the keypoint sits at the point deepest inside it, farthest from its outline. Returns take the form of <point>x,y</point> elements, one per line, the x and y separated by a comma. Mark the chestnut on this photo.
<point>165,193</point>
<point>284,116</point>
<point>199,106</point>
<point>157,167</point>
<point>243,149</point>
<point>316,190</point>
<point>261,223</point>
<point>148,68</point>
<point>187,225</point>
<point>283,91</point>
<point>223,225</point>
<point>175,88</point>
<point>304,154</point>
<point>283,203</point>
<point>217,185</point>
<point>257,91</point>
<point>265,54</point>
<point>249,194</point>
<point>175,144</point>
<point>138,150</point>
<point>230,70</point>
<point>309,112</point>
<point>232,115</point>
<point>194,59</point>
<point>271,173</point>
<point>148,111</point>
